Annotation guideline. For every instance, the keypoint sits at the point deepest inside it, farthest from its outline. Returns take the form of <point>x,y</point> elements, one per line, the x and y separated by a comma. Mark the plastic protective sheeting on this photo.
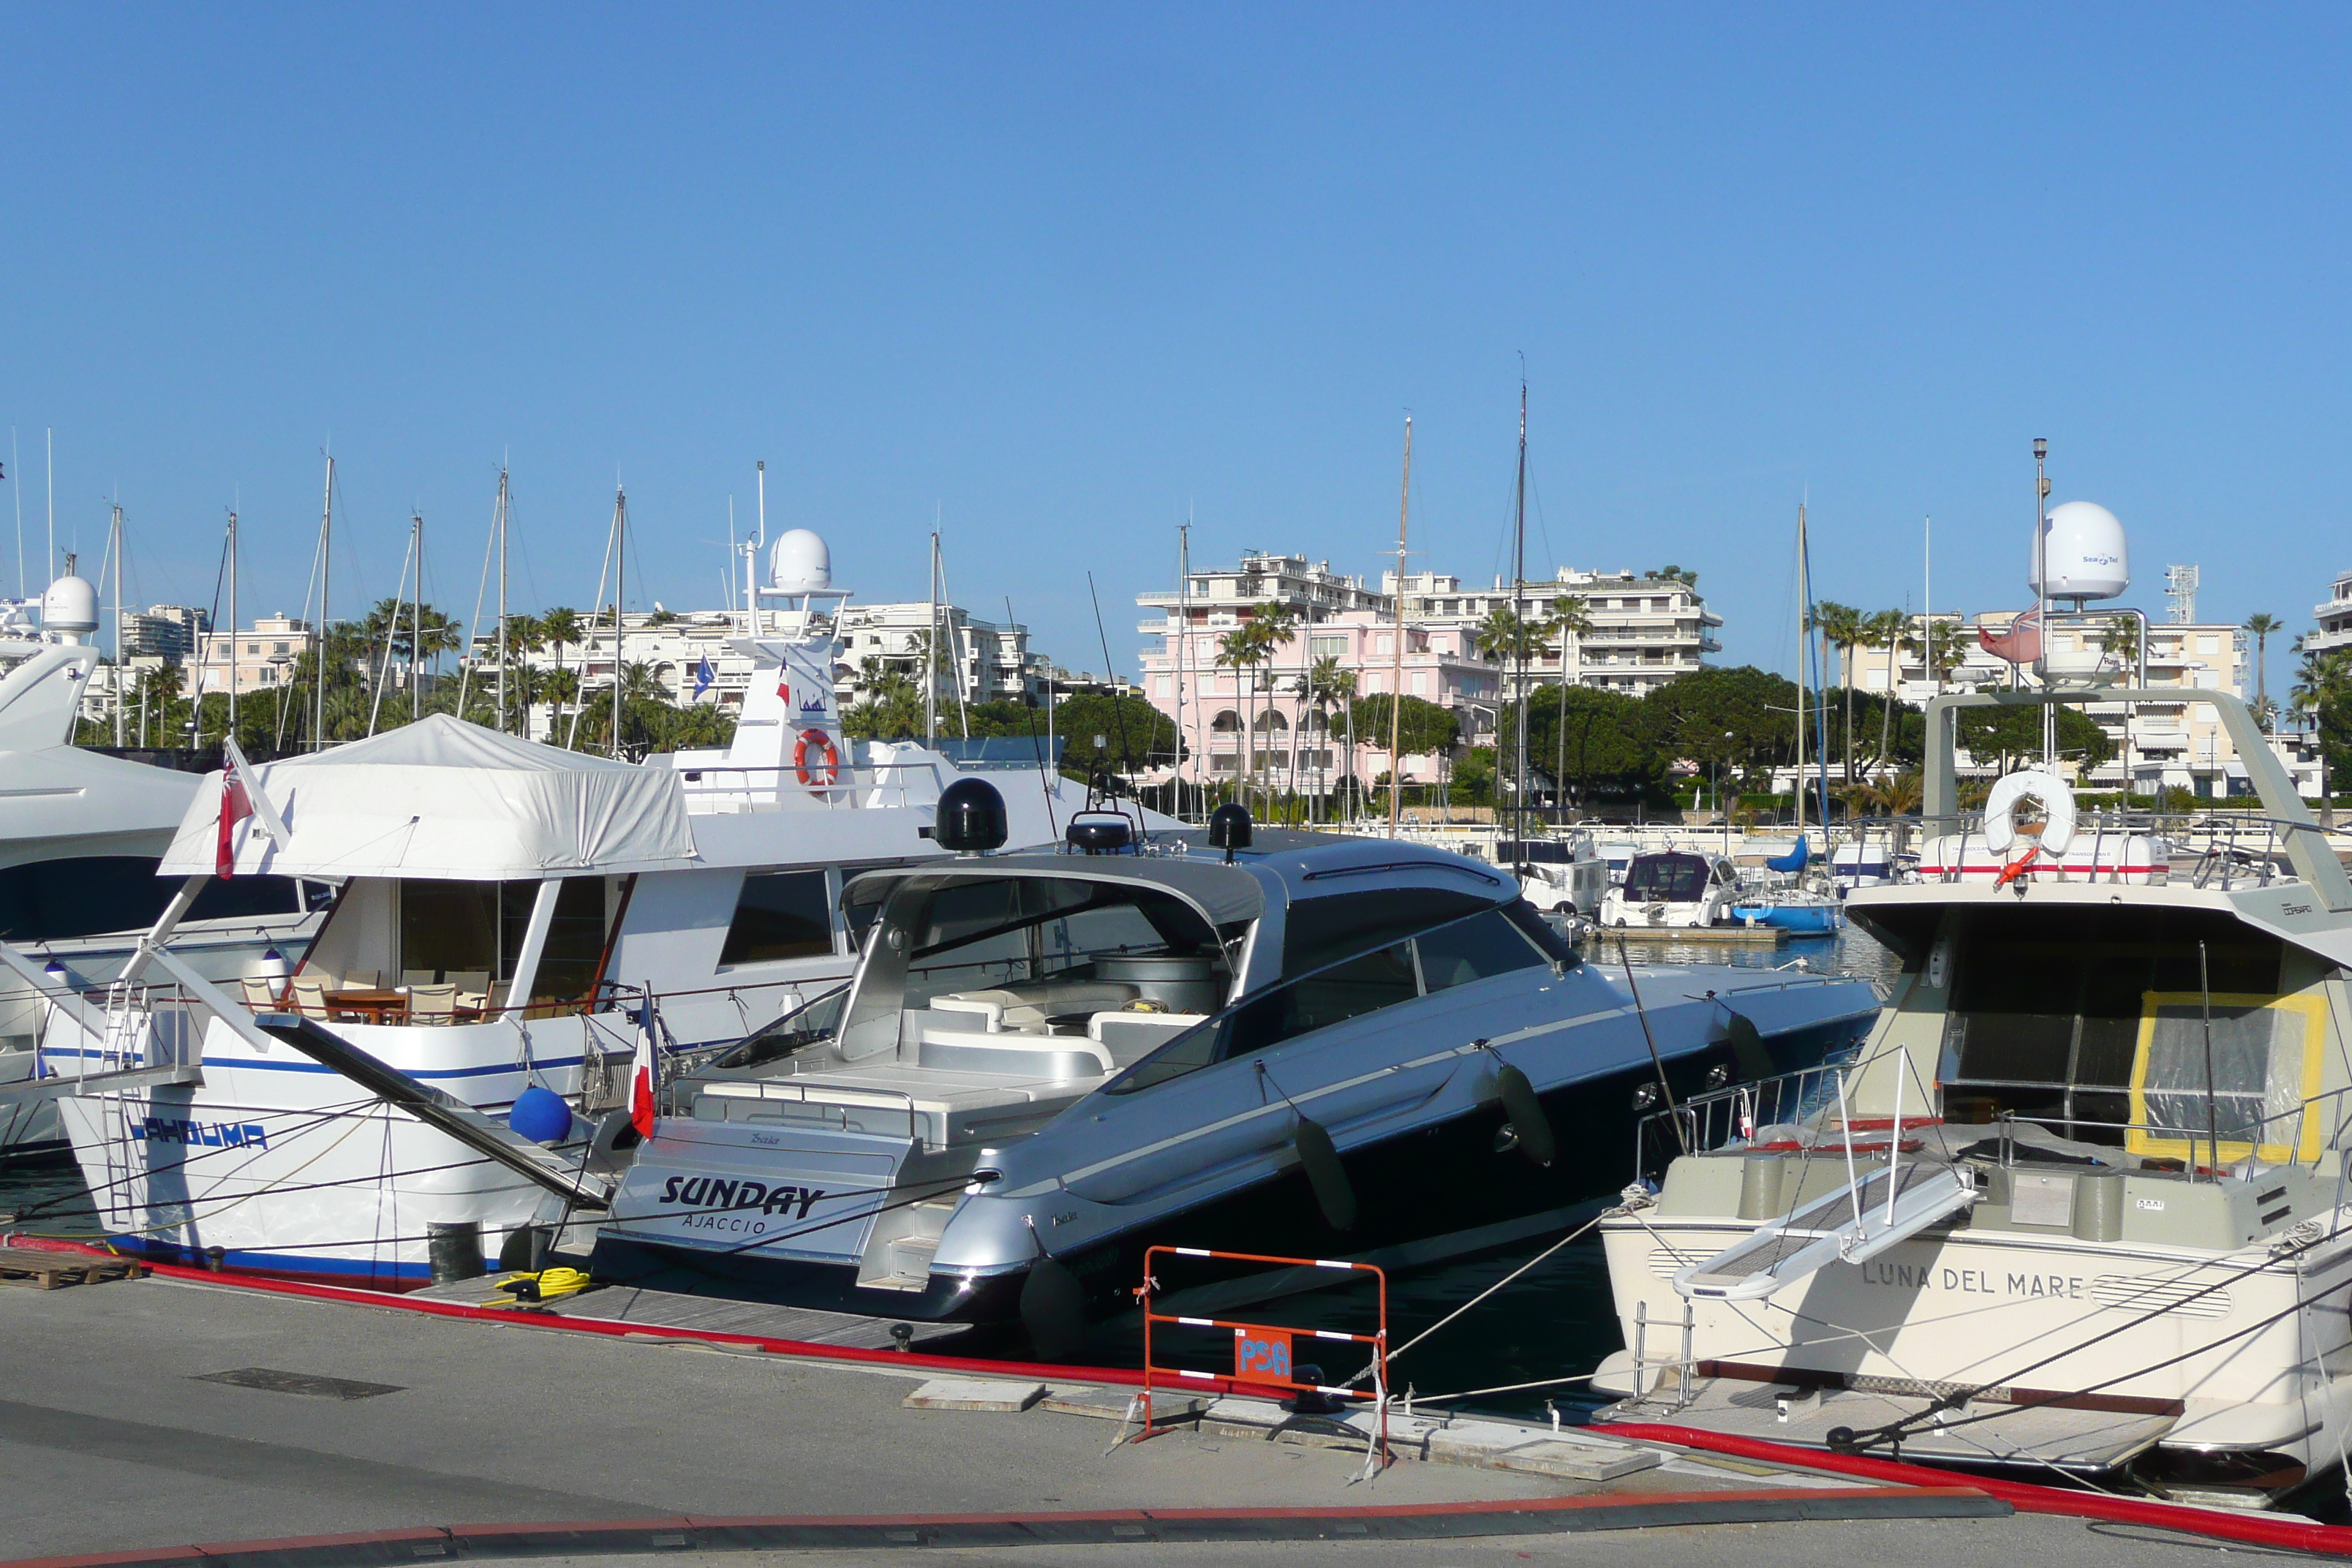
<point>2264,1069</point>
<point>447,799</point>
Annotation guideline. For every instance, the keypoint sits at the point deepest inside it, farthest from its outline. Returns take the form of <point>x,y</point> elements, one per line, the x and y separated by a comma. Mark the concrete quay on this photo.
<point>146,1417</point>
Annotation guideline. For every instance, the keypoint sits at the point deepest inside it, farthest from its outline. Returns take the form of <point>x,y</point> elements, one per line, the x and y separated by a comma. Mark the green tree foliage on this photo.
<point>1596,741</point>
<point>2012,733</point>
<point>1423,726</point>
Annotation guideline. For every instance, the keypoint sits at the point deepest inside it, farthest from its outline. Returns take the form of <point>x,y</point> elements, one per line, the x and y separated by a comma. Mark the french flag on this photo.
<point>641,1077</point>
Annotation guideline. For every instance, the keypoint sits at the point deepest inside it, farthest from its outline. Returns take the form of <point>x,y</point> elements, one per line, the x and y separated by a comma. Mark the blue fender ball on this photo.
<point>539,1115</point>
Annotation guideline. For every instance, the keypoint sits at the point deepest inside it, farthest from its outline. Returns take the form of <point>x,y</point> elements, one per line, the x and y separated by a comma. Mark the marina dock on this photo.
<point>206,1411</point>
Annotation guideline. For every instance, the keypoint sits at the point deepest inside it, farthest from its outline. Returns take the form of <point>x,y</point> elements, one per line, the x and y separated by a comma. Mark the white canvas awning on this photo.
<point>445,798</point>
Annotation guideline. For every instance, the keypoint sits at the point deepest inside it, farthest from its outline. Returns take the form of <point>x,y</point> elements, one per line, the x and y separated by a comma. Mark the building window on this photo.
<point>779,915</point>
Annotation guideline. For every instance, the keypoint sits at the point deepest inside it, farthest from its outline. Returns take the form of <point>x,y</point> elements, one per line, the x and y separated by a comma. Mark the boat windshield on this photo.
<point>1676,878</point>
<point>814,1023</point>
<point>1059,947</point>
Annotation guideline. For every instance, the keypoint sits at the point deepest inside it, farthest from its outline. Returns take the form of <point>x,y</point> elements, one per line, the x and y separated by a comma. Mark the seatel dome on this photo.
<point>800,563</point>
<point>2085,550</point>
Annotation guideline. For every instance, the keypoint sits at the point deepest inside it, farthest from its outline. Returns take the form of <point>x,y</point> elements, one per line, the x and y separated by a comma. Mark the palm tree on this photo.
<point>561,625</point>
<point>1890,630</point>
<point>1327,687</point>
<point>1841,626</point>
<point>1569,621</point>
<point>1238,650</point>
<point>2260,626</point>
<point>2323,686</point>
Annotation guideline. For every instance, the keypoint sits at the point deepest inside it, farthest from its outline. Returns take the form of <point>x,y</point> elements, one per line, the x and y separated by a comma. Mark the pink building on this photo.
<point>1297,746</point>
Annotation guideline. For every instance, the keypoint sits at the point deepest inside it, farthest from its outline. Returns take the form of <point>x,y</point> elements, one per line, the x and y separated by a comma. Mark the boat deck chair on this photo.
<point>433,1004</point>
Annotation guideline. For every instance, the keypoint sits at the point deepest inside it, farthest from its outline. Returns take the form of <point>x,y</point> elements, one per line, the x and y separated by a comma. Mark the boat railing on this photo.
<point>2286,1130</point>
<point>739,786</point>
<point>2224,850</point>
<point>1717,1117</point>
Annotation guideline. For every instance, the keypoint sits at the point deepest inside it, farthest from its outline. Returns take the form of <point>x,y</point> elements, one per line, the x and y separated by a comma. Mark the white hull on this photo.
<point>287,1167</point>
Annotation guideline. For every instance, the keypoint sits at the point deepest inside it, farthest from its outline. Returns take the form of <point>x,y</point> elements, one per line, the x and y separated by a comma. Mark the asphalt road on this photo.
<point>115,1434</point>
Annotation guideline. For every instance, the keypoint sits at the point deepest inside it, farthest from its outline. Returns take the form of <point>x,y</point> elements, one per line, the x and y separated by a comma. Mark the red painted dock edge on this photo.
<point>632,1534</point>
<point>2026,1497</point>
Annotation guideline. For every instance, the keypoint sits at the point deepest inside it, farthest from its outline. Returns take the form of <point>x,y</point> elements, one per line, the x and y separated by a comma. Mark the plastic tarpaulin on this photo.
<point>447,799</point>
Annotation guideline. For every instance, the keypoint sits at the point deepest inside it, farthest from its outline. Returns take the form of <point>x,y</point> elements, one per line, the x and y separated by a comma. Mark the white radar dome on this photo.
<point>800,563</point>
<point>70,606</point>
<point>2085,550</point>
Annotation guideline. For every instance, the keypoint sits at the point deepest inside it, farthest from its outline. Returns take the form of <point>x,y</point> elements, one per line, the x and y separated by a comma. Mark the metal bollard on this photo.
<point>456,1248</point>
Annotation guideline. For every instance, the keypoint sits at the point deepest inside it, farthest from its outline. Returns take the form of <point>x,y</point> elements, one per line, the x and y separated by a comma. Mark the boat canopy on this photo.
<point>443,798</point>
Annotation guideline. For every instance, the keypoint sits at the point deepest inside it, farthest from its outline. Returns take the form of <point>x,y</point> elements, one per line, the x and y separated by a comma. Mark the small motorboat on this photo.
<point>1674,888</point>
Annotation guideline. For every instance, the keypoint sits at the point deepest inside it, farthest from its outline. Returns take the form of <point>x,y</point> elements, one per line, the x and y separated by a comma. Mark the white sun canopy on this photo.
<point>445,798</point>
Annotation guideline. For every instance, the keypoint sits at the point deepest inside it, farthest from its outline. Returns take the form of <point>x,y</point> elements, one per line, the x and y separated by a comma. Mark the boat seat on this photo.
<point>1026,1009</point>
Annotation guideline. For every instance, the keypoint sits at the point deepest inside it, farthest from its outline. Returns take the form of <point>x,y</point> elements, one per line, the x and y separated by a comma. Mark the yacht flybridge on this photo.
<point>2079,1200</point>
<point>1283,1043</point>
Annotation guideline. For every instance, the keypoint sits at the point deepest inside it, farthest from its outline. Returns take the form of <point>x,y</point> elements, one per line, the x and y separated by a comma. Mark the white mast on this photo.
<point>319,663</point>
<point>620,597</point>
<point>416,622</point>
<point>931,652</point>
<point>1183,646</point>
<point>502,599</point>
<point>49,562</point>
<point>1798,778</point>
<point>1396,663</point>
<point>232,623</point>
<point>115,549</point>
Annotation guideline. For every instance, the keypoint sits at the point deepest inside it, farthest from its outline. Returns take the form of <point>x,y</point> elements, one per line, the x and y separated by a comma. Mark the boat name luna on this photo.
<point>1974,1281</point>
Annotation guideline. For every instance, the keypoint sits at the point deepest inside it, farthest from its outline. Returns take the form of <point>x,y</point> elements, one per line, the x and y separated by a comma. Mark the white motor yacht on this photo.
<point>2077,1203</point>
<point>511,916</point>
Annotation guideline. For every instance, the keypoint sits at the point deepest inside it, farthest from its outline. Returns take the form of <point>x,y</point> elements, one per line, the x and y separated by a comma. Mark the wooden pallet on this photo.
<point>49,1271</point>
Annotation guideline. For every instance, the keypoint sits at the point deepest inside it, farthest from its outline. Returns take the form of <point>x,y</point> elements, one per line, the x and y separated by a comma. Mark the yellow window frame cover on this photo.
<point>2138,1140</point>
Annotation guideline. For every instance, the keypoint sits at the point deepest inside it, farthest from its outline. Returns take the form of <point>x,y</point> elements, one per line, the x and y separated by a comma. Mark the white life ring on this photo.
<point>2000,810</point>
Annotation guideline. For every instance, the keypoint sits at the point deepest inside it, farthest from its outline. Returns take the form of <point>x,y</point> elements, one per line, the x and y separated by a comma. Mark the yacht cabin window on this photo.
<point>2074,1017</point>
<point>55,900</point>
<point>1675,879</point>
<point>458,928</point>
<point>779,915</point>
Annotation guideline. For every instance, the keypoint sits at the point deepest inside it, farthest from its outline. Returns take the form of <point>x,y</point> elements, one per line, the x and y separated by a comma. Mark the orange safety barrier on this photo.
<point>1262,1351</point>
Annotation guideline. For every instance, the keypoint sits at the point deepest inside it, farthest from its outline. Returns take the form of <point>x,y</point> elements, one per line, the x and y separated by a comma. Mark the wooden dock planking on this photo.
<point>55,1270</point>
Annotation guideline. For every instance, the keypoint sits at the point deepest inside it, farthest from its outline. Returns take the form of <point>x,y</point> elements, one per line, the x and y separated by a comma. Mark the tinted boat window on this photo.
<point>1317,932</point>
<point>1484,945</point>
<point>779,914</point>
<point>1676,878</point>
<point>54,900</point>
<point>1488,943</point>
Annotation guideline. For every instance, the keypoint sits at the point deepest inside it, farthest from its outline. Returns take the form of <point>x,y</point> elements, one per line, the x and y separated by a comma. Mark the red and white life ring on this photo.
<point>828,762</point>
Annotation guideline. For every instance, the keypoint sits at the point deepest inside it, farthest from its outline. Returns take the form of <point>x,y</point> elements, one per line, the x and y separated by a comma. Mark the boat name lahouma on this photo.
<point>1975,1281</point>
<point>712,1193</point>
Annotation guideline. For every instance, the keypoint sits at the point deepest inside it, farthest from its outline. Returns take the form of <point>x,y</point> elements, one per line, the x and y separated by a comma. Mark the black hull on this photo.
<point>1451,1188</point>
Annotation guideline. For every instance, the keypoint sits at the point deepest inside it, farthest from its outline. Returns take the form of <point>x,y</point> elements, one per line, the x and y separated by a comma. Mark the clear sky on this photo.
<point>1061,275</point>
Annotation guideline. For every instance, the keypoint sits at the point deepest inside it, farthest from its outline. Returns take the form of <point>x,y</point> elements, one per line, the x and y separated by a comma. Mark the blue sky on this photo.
<point>1058,275</point>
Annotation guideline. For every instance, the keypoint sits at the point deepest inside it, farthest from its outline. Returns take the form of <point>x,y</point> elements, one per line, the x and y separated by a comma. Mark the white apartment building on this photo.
<point>1646,629</point>
<point>986,661</point>
<point>260,658</point>
<point>2334,615</point>
<point>167,632</point>
<point>2170,746</point>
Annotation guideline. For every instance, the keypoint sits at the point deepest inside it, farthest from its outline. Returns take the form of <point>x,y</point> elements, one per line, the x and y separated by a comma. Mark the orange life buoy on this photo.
<point>828,761</point>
